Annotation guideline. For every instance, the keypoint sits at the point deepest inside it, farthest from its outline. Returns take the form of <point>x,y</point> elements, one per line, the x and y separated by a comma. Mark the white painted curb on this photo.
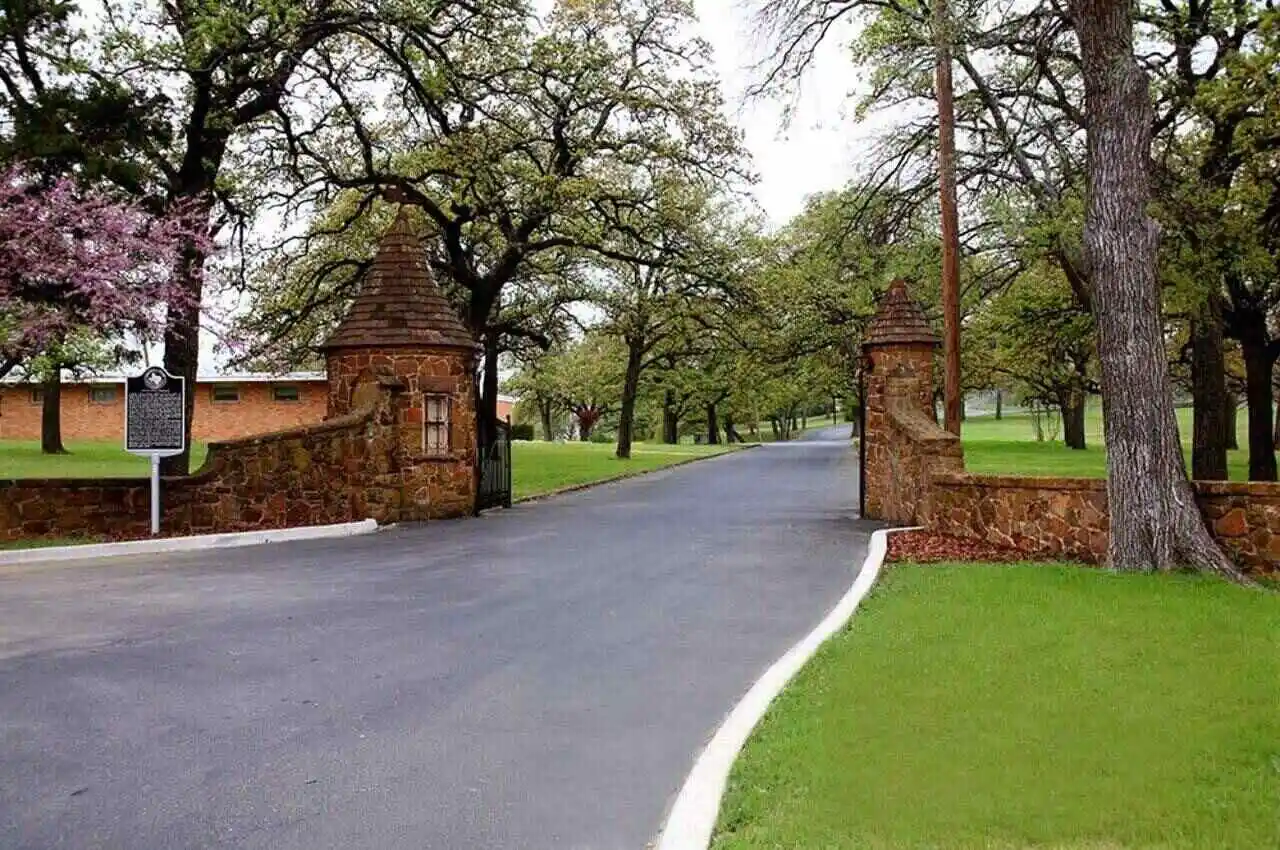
<point>693,816</point>
<point>185,544</point>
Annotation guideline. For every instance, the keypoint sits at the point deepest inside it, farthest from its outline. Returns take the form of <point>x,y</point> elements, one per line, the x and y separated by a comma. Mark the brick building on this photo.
<point>227,406</point>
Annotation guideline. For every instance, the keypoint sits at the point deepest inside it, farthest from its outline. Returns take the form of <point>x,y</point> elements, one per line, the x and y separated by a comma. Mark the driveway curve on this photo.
<point>537,678</point>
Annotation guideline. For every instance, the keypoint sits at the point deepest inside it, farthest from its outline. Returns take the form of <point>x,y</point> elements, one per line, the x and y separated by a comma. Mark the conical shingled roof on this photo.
<point>899,320</point>
<point>399,303</point>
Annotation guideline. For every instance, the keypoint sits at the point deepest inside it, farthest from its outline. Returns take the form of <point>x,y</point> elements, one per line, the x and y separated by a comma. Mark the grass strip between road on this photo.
<point>47,543</point>
<point>550,469</point>
<point>984,707</point>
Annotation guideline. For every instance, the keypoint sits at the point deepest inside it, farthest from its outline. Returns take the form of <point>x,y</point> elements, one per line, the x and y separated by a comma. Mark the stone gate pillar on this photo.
<point>402,332</point>
<point>903,442</point>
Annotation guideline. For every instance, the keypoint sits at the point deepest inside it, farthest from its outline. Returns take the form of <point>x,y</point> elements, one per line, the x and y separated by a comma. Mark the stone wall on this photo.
<point>351,467</point>
<point>441,484</point>
<point>915,475</point>
<point>1068,517</point>
<point>1245,520</point>
<point>904,445</point>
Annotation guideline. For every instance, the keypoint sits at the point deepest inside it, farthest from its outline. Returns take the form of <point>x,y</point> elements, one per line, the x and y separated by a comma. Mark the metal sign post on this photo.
<point>155,424</point>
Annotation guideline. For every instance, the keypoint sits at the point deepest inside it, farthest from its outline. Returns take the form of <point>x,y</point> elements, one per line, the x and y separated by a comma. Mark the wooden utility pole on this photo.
<point>950,218</point>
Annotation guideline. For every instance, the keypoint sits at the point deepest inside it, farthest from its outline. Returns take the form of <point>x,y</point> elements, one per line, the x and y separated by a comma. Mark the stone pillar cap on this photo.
<point>900,320</point>
<point>399,304</point>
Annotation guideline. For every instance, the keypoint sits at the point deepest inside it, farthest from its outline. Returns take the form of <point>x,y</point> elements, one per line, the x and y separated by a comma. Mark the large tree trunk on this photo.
<point>586,424</point>
<point>1232,407</point>
<point>1073,409</point>
<point>1276,442</point>
<point>630,389</point>
<point>1208,395</point>
<point>51,414</point>
<point>731,434</point>
<point>1258,365</point>
<point>544,413</point>
<point>999,405</point>
<point>487,403</point>
<point>182,348</point>
<point>1155,523</point>
<point>670,420</point>
<point>713,425</point>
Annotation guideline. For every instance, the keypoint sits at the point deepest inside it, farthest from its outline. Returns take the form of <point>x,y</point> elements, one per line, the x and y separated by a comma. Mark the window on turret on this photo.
<point>435,428</point>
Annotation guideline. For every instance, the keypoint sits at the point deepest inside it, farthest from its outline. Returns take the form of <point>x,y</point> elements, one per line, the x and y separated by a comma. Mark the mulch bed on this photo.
<point>924,548</point>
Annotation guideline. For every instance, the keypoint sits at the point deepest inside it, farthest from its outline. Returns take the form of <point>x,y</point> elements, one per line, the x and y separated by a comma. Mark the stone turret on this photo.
<point>903,444</point>
<point>401,332</point>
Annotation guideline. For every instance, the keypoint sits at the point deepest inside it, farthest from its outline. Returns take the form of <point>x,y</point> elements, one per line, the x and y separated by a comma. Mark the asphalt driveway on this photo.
<point>537,678</point>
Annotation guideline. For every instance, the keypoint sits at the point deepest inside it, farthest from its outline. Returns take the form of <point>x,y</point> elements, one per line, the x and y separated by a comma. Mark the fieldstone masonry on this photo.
<point>402,331</point>
<point>915,470</point>
<point>904,445</point>
<point>400,343</point>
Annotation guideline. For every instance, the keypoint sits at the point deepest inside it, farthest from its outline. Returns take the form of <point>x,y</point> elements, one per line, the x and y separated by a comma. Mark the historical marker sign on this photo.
<point>155,408</point>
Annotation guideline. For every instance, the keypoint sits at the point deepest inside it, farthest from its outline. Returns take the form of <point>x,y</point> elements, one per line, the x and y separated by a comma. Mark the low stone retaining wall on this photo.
<point>344,469</point>
<point>1068,517</point>
<point>335,471</point>
<point>914,470</point>
<point>1245,519</point>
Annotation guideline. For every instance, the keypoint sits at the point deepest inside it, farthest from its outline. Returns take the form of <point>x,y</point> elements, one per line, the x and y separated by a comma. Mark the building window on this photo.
<point>285,392</point>
<point>37,397</point>
<point>435,428</point>
<point>226,393</point>
<point>102,395</point>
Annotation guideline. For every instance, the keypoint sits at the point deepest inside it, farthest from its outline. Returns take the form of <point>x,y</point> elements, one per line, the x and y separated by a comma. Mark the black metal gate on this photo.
<point>494,472</point>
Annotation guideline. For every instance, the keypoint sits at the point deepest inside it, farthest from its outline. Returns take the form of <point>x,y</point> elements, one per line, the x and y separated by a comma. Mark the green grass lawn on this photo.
<point>1008,447</point>
<point>46,543</point>
<point>91,459</point>
<point>540,467</point>
<point>978,707</point>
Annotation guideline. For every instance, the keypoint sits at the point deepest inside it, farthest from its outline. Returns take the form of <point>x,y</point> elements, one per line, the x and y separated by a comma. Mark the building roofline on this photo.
<point>230,378</point>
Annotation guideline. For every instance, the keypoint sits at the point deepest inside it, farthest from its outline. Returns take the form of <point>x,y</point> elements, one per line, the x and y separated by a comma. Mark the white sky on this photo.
<point>818,149</point>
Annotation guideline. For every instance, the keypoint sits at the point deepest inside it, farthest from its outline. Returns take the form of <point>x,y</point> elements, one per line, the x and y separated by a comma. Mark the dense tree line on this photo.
<point>580,191</point>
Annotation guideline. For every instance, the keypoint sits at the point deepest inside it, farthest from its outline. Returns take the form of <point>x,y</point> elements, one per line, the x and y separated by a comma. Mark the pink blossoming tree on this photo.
<point>76,260</point>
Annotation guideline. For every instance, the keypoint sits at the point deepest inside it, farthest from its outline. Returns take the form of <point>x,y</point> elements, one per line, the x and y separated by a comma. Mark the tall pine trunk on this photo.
<point>1208,395</point>
<point>1155,523</point>
<point>1073,410</point>
<point>1258,366</point>
<point>630,389</point>
<point>51,413</point>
